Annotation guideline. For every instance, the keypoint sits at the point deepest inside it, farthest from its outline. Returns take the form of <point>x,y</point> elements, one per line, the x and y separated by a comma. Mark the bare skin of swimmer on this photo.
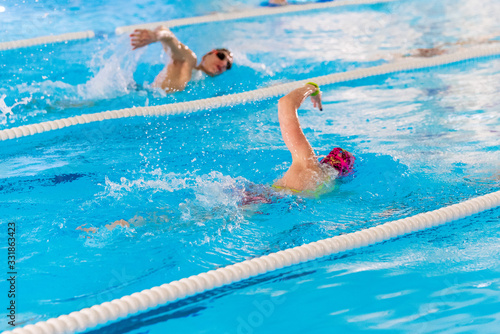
<point>305,173</point>
<point>135,221</point>
<point>177,73</point>
<point>110,227</point>
<point>278,2</point>
<point>443,48</point>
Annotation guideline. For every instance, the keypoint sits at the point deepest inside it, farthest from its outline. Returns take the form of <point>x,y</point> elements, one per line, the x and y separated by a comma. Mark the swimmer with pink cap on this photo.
<point>307,173</point>
<point>341,160</point>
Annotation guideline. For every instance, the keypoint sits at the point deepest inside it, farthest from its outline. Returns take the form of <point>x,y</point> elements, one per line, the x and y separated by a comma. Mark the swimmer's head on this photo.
<point>341,160</point>
<point>216,62</point>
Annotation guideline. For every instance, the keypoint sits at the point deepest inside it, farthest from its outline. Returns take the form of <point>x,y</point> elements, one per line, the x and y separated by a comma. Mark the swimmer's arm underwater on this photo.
<point>110,227</point>
<point>136,221</point>
<point>292,133</point>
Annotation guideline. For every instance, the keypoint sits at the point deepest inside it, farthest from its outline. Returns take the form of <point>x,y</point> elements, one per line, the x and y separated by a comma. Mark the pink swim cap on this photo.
<point>341,160</point>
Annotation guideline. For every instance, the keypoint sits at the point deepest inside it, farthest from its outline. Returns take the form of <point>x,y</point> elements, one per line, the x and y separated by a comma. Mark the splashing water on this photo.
<point>113,67</point>
<point>114,75</point>
<point>194,199</point>
<point>6,110</point>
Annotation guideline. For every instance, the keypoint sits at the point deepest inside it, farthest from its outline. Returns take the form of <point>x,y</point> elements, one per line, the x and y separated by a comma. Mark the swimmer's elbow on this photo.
<point>284,104</point>
<point>287,107</point>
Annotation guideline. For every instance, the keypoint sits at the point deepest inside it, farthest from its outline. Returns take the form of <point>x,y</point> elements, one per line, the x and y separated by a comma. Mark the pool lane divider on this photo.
<point>250,96</point>
<point>263,11</point>
<point>88,318</point>
<point>46,40</point>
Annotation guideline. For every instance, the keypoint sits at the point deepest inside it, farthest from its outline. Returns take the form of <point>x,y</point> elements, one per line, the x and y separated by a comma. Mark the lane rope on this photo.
<point>250,96</point>
<point>46,40</point>
<point>150,298</point>
<point>264,11</point>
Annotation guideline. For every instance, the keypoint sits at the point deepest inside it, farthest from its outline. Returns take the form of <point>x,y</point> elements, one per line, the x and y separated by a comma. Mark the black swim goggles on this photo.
<point>221,55</point>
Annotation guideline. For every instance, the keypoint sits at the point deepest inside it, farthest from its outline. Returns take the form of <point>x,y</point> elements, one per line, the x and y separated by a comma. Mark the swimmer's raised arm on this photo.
<point>294,138</point>
<point>142,37</point>
<point>179,69</point>
<point>180,52</point>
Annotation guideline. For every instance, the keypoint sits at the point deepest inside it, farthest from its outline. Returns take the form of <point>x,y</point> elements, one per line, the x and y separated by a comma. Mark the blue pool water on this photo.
<point>423,140</point>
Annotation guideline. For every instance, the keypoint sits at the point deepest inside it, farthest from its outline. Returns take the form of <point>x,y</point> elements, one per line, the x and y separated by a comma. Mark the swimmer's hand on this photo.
<point>142,37</point>
<point>316,100</point>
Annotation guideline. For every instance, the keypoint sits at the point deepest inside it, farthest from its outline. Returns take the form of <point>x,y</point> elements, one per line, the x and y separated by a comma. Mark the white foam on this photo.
<point>6,110</point>
<point>114,69</point>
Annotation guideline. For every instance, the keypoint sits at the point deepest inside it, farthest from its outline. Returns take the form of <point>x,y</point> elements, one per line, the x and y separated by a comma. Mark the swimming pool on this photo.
<point>424,139</point>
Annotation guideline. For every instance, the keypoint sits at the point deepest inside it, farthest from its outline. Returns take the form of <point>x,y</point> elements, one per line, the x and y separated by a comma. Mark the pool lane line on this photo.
<point>47,40</point>
<point>250,96</point>
<point>266,11</point>
<point>263,11</point>
<point>88,318</point>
